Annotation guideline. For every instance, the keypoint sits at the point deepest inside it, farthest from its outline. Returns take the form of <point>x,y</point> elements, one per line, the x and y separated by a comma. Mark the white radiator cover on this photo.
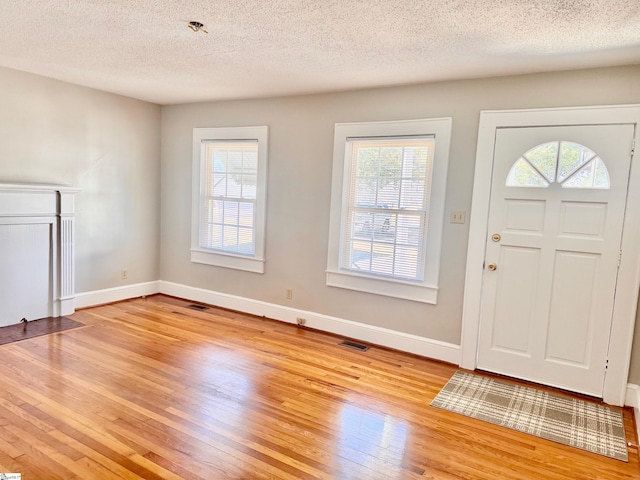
<point>36,252</point>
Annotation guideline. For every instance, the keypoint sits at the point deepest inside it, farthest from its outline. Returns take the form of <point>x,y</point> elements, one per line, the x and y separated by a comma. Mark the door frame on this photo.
<point>628,286</point>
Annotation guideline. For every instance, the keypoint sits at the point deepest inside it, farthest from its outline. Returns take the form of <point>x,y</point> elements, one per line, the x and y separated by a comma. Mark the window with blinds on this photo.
<point>229,197</point>
<point>387,206</point>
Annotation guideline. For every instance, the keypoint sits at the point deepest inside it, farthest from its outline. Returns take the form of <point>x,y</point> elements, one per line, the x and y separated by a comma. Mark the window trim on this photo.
<point>251,263</point>
<point>425,291</point>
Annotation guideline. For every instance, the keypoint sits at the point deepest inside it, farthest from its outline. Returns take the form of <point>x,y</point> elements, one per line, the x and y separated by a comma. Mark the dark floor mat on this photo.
<point>36,328</point>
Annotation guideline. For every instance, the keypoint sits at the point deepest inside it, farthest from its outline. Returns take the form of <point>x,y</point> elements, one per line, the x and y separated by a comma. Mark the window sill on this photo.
<point>236,262</point>
<point>416,292</point>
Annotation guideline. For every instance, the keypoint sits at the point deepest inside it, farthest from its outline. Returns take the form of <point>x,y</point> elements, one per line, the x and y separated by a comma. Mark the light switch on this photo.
<point>458,216</point>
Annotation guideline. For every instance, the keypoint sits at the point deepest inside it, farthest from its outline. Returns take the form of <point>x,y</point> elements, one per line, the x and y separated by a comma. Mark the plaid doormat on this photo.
<point>578,423</point>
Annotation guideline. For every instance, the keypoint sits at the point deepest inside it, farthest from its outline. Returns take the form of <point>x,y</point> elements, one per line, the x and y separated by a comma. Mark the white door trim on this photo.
<point>624,310</point>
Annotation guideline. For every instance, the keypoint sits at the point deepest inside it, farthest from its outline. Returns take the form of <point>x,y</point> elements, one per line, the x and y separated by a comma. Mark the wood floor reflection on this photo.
<point>152,389</point>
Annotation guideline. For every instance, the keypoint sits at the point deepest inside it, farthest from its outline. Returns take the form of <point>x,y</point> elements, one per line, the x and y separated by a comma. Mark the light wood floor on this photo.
<point>151,389</point>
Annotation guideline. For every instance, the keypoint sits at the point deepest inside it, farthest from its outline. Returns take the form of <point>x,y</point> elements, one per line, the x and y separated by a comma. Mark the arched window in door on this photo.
<point>568,163</point>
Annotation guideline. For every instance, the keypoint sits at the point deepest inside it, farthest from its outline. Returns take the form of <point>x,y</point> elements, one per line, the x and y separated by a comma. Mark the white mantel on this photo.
<point>42,216</point>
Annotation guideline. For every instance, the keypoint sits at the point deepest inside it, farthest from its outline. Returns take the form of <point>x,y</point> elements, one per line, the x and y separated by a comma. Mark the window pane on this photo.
<point>246,214</point>
<point>219,158</point>
<point>593,175</point>
<point>234,189</point>
<point>388,194</point>
<point>249,186</point>
<point>522,174</point>
<point>234,161</point>
<point>572,156</point>
<point>362,226</point>
<point>544,157</point>
<point>366,190</point>
<point>359,255</point>
<point>215,211</point>
<point>416,158</point>
<point>387,177</point>
<point>250,162</point>
<point>368,161</point>
<point>406,262</point>
<point>230,215</point>
<point>412,197</point>
<point>384,227</point>
<point>231,169</point>
<point>245,241</point>
<point>409,230</point>
<point>601,179</point>
<point>382,259</point>
<point>219,185</point>
<point>214,236</point>
<point>391,162</point>
<point>230,234</point>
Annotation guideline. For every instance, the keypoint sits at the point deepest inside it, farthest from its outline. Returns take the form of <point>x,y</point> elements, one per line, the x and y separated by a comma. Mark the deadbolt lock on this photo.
<point>492,267</point>
<point>496,237</point>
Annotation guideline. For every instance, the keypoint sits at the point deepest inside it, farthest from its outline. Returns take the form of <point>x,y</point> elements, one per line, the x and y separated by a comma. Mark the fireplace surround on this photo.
<point>36,251</point>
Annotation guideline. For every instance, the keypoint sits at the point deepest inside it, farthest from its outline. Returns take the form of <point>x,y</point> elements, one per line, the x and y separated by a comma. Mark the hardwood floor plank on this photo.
<point>43,454</point>
<point>152,389</point>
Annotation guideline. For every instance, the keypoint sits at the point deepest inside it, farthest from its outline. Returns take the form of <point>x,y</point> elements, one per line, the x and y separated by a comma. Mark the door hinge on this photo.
<point>606,364</point>
<point>619,257</point>
<point>633,147</point>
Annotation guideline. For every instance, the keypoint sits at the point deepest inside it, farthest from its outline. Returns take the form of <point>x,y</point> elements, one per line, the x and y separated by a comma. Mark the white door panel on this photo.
<point>25,262</point>
<point>546,310</point>
<point>513,333</point>
<point>571,309</point>
<point>524,215</point>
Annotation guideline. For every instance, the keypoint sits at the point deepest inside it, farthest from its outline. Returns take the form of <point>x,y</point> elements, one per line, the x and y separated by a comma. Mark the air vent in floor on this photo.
<point>197,307</point>
<point>354,345</point>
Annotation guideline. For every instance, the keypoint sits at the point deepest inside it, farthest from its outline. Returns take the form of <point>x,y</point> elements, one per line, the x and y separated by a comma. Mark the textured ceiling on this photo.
<point>257,48</point>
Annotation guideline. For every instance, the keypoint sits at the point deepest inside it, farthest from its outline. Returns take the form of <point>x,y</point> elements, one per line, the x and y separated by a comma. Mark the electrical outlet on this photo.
<point>289,293</point>
<point>458,216</point>
<point>301,321</point>
<point>123,274</point>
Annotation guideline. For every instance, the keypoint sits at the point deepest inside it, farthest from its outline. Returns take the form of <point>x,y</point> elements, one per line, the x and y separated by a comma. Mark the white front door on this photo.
<point>556,215</point>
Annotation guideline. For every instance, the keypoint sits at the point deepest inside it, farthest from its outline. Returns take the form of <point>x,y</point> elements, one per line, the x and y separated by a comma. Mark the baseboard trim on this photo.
<point>110,295</point>
<point>446,352</point>
<point>633,400</point>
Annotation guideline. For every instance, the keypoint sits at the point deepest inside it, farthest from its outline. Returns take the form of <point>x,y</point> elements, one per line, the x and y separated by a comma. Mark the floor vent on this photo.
<point>193,306</point>
<point>354,345</point>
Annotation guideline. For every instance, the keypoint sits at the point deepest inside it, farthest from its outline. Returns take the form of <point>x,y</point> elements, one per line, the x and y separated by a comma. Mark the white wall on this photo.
<point>106,145</point>
<point>300,158</point>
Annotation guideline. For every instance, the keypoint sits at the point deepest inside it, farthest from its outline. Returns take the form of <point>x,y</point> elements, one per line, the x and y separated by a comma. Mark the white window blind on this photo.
<point>228,196</point>
<point>228,218</point>
<point>387,206</point>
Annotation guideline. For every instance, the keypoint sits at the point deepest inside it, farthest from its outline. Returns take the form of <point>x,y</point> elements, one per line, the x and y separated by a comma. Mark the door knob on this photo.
<point>496,237</point>
<point>492,266</point>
